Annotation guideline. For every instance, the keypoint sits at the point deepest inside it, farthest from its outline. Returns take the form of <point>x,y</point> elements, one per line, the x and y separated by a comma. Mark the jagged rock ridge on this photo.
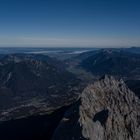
<point>106,110</point>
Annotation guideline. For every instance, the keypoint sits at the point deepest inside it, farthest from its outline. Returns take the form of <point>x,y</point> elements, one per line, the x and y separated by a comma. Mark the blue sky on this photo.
<point>69,23</point>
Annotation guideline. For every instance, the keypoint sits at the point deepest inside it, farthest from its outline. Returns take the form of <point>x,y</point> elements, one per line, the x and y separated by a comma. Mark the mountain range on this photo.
<point>92,95</point>
<point>34,83</point>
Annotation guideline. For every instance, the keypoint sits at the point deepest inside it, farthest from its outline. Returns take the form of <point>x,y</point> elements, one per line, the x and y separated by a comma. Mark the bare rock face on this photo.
<point>106,110</point>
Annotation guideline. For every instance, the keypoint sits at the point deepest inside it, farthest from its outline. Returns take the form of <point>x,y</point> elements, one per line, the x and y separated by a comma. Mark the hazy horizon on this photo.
<point>70,23</point>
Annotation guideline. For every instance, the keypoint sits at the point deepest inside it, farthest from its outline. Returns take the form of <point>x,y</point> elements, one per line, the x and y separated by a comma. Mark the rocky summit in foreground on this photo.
<point>106,110</point>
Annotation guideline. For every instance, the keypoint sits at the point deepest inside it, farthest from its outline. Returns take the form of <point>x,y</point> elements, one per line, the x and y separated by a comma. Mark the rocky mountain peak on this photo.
<point>107,110</point>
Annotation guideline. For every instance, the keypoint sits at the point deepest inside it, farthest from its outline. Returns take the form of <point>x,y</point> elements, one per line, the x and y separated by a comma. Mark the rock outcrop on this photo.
<point>106,110</point>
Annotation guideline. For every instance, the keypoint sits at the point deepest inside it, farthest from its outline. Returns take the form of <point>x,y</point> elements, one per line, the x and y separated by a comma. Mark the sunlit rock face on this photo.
<point>106,110</point>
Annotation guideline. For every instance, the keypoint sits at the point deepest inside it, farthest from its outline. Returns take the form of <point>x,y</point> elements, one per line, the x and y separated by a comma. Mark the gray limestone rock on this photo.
<point>106,110</point>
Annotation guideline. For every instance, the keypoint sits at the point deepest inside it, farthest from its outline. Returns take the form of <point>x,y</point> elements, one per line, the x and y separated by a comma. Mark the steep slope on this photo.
<point>132,50</point>
<point>34,82</point>
<point>106,110</point>
<point>118,63</point>
<point>28,56</point>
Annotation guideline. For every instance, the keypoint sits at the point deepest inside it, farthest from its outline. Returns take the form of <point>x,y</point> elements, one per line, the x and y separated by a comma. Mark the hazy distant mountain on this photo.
<point>28,56</point>
<point>117,63</point>
<point>133,50</point>
<point>27,77</point>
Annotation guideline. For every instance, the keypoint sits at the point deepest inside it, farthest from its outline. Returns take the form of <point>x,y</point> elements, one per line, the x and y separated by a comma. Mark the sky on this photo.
<point>69,23</point>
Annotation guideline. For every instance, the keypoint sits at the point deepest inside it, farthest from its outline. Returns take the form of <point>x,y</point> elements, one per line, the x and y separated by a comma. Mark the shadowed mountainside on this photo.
<point>33,84</point>
<point>118,63</point>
